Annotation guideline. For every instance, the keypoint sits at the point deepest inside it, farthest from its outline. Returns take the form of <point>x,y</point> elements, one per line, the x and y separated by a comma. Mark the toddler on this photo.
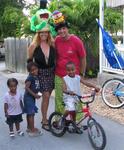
<point>13,107</point>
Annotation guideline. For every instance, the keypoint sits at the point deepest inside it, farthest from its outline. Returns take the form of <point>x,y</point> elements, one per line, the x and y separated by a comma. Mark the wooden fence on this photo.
<point>16,54</point>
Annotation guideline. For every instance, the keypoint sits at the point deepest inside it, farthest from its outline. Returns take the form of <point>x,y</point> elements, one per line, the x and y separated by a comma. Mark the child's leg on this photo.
<point>30,123</point>
<point>11,128</point>
<point>73,114</point>
<point>66,113</point>
<point>17,125</point>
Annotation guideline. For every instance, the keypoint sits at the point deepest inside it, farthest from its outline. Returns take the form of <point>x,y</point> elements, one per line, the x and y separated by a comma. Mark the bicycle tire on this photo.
<point>57,127</point>
<point>108,95</point>
<point>93,134</point>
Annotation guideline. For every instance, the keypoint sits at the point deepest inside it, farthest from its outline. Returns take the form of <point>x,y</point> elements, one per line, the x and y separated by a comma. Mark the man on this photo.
<point>68,48</point>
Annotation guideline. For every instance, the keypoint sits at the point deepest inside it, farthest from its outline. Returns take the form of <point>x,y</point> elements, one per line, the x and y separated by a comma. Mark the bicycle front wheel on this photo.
<point>113,93</point>
<point>96,135</point>
<point>57,124</point>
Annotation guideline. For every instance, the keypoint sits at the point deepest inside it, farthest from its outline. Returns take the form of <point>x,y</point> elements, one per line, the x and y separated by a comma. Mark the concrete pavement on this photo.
<point>114,131</point>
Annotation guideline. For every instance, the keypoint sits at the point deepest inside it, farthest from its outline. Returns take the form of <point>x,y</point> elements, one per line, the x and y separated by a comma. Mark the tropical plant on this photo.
<point>10,17</point>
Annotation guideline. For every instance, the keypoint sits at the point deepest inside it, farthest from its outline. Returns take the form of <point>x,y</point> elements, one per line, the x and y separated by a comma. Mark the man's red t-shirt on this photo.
<point>68,50</point>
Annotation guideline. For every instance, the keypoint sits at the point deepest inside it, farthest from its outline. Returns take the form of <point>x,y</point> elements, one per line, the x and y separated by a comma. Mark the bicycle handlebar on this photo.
<point>86,96</point>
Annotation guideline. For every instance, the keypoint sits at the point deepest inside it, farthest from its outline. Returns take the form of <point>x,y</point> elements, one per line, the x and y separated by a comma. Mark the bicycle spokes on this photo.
<point>113,93</point>
<point>96,135</point>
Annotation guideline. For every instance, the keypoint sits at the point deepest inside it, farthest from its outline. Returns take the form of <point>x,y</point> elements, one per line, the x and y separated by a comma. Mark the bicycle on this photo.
<point>59,124</point>
<point>113,93</point>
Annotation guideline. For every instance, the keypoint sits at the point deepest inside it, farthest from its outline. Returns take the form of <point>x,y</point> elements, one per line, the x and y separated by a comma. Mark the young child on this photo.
<point>13,107</point>
<point>71,86</point>
<point>32,87</point>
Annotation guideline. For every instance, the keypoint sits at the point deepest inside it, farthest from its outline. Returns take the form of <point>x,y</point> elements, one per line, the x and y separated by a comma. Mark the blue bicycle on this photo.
<point>113,93</point>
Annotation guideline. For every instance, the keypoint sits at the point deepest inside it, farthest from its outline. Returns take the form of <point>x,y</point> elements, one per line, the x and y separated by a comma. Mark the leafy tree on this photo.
<point>113,20</point>
<point>10,17</point>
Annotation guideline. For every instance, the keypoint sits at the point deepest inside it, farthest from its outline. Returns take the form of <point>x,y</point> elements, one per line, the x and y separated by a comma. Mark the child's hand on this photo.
<point>97,89</point>
<point>37,96</point>
<point>71,93</point>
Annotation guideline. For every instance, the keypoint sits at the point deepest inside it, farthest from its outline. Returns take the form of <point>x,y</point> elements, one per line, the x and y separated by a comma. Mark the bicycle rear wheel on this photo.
<point>96,135</point>
<point>113,93</point>
<point>57,124</point>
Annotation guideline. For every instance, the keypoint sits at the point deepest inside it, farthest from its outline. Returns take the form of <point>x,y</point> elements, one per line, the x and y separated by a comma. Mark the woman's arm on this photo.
<point>31,49</point>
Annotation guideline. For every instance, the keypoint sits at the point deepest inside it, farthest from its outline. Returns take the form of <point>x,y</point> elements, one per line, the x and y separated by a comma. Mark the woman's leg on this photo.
<point>27,117</point>
<point>44,106</point>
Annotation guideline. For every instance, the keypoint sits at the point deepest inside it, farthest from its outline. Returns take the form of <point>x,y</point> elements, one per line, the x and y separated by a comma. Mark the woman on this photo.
<point>42,51</point>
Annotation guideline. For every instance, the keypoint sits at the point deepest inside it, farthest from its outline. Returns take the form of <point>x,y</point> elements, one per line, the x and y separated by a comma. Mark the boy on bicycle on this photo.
<point>71,87</point>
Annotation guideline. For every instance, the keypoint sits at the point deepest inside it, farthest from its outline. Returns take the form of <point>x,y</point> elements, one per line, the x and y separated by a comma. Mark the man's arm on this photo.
<point>83,66</point>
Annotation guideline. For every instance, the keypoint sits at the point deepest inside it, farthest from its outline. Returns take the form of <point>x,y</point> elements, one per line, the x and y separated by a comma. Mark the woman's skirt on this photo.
<point>46,77</point>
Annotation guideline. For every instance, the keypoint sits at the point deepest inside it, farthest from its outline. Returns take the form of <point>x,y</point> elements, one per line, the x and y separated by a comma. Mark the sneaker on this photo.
<point>20,133</point>
<point>79,131</point>
<point>11,134</point>
<point>85,127</point>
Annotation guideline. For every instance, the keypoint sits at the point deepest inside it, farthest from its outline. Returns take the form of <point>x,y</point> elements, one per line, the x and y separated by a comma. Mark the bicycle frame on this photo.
<point>117,92</point>
<point>86,109</point>
<point>86,112</point>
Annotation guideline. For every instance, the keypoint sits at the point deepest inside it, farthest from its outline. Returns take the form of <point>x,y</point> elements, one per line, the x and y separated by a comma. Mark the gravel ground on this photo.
<point>100,108</point>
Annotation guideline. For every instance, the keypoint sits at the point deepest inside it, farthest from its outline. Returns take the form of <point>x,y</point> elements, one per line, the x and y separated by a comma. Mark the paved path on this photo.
<point>114,131</point>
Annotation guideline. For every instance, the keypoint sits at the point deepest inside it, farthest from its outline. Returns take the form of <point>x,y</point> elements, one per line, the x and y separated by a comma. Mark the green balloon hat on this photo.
<point>40,21</point>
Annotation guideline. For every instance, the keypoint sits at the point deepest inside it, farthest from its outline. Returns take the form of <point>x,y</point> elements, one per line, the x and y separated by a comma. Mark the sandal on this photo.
<point>45,126</point>
<point>45,122</point>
